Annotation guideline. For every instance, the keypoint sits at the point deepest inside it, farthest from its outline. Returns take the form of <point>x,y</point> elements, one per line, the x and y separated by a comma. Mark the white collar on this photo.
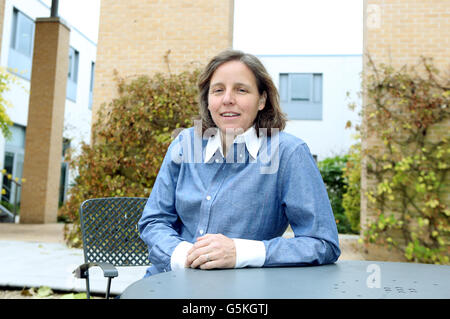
<point>249,137</point>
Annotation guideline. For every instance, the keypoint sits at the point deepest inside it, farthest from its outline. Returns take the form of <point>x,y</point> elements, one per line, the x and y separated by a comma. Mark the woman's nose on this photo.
<point>228,97</point>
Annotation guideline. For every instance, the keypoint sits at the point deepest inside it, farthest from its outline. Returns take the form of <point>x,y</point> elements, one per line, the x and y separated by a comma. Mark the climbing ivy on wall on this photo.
<point>406,155</point>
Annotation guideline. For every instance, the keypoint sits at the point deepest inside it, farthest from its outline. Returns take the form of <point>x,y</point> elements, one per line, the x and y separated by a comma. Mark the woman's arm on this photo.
<point>305,202</point>
<point>159,221</point>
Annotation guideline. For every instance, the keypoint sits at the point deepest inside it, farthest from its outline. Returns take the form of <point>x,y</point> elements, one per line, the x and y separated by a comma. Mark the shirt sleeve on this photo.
<point>249,253</point>
<point>159,222</point>
<point>178,258</point>
<point>304,201</point>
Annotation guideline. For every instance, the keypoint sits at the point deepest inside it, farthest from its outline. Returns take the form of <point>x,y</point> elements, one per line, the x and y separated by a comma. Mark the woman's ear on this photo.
<point>262,101</point>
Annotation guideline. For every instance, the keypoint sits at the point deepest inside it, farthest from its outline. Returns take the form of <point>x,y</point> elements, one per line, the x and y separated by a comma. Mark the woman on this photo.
<point>227,189</point>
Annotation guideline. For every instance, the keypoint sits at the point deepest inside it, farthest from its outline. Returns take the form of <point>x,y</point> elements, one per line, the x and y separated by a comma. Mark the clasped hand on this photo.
<point>212,251</point>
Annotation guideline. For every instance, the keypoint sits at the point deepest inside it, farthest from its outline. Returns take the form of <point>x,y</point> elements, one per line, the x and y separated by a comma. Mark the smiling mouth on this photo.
<point>229,114</point>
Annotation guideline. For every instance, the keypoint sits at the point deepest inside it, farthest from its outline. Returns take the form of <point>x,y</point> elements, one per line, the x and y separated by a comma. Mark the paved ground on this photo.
<point>45,233</point>
<point>34,256</point>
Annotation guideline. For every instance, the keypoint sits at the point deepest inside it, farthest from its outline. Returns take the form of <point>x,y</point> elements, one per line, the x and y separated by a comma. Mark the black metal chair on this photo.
<point>110,236</point>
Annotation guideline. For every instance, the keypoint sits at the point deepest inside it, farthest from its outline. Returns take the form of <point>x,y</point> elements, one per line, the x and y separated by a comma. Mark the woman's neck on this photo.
<point>227,139</point>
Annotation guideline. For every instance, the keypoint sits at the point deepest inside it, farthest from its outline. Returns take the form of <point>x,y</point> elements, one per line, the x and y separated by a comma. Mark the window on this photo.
<point>64,179</point>
<point>21,45</point>
<point>91,87</point>
<point>72,74</point>
<point>13,163</point>
<point>301,95</point>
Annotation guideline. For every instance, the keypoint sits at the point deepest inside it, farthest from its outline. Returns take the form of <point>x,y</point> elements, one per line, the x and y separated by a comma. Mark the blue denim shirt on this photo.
<point>241,197</point>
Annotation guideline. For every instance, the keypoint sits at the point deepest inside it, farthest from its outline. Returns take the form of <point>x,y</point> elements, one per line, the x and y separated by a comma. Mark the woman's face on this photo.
<point>233,98</point>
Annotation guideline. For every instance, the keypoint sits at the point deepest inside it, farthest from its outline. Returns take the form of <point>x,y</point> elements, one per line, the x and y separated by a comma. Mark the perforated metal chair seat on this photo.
<point>111,237</point>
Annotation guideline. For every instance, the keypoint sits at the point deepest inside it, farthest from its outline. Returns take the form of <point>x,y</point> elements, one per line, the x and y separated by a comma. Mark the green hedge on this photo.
<point>351,199</point>
<point>331,170</point>
<point>129,141</point>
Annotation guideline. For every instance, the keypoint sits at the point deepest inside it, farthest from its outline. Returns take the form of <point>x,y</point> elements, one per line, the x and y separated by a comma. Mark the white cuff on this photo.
<point>178,258</point>
<point>249,253</point>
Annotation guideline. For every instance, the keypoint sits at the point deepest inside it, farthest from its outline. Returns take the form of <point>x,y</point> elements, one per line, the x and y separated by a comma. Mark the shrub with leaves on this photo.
<point>406,120</point>
<point>6,79</point>
<point>331,169</point>
<point>351,199</point>
<point>129,141</point>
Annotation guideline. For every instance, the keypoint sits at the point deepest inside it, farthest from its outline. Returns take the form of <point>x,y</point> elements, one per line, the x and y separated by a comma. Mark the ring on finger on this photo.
<point>207,258</point>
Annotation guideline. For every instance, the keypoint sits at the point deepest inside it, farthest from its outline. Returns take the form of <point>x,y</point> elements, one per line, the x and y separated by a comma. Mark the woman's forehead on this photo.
<point>235,72</point>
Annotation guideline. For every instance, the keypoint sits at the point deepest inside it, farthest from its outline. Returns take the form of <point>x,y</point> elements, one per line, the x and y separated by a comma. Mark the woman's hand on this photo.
<point>212,251</point>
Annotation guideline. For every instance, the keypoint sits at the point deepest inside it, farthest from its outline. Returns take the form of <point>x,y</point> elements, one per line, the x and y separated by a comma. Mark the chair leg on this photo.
<point>88,293</point>
<point>108,288</point>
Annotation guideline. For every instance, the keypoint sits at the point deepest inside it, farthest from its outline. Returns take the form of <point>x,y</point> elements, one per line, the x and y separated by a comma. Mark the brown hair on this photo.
<point>269,117</point>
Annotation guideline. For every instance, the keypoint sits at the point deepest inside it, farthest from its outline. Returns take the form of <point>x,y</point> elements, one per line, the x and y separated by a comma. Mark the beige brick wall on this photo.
<point>135,35</point>
<point>2,18</point>
<point>399,32</point>
<point>43,144</point>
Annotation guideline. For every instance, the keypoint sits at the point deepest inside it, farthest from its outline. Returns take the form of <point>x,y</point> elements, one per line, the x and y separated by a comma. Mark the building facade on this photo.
<point>176,35</point>
<point>145,37</point>
<point>158,36</point>
<point>17,26</point>
<point>315,92</point>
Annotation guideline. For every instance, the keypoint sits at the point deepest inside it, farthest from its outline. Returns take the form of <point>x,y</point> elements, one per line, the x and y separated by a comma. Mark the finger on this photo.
<point>206,236</point>
<point>197,245</point>
<point>202,259</point>
<point>195,254</point>
<point>201,243</point>
<point>188,262</point>
<point>191,255</point>
<point>190,258</point>
<point>213,264</point>
<point>191,250</point>
<point>204,240</point>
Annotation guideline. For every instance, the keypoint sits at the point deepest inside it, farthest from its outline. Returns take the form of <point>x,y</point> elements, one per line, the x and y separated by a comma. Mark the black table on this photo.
<point>344,279</point>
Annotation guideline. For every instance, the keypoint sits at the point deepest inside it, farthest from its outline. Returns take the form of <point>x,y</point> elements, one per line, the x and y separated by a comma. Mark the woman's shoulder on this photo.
<point>291,145</point>
<point>289,141</point>
<point>182,135</point>
<point>186,145</point>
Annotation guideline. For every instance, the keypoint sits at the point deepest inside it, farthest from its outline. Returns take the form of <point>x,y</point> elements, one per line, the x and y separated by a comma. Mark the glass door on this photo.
<point>14,169</point>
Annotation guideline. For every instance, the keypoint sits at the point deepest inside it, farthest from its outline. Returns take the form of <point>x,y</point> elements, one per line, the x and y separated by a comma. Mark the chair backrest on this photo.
<point>109,230</point>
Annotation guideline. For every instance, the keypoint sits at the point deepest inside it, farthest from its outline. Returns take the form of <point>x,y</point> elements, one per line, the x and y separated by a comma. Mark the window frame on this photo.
<point>301,108</point>
<point>19,61</point>
<point>72,74</point>
<point>91,85</point>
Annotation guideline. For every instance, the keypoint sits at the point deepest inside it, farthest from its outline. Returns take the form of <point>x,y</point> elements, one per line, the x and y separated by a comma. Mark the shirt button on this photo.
<point>208,197</point>
<point>201,231</point>
<point>240,155</point>
<point>217,160</point>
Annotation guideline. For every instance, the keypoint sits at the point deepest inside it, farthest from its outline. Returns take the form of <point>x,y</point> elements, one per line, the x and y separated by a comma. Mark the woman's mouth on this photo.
<point>230,114</point>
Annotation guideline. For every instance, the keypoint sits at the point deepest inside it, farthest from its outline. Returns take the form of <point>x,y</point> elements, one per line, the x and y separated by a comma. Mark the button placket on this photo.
<point>205,207</point>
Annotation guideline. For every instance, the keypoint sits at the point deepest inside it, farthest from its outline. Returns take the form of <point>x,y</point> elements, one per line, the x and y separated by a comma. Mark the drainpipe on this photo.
<point>54,9</point>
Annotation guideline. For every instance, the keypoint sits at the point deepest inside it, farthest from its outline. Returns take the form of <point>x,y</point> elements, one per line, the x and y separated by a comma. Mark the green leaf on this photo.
<point>44,291</point>
<point>81,295</point>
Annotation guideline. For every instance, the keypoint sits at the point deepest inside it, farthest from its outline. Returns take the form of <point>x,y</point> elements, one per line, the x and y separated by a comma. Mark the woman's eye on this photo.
<point>241,90</point>
<point>216,91</point>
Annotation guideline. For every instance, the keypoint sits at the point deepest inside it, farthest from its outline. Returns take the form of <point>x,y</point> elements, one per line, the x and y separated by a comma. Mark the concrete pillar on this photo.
<point>43,143</point>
